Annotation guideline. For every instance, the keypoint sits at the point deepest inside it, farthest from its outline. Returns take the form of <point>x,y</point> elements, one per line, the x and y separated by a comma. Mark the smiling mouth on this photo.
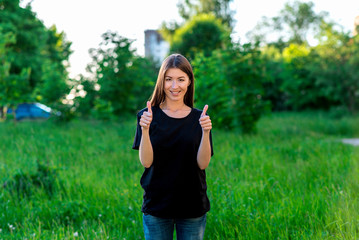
<point>175,92</point>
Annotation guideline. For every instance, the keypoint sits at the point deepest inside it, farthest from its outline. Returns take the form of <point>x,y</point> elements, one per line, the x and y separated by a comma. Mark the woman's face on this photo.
<point>176,84</point>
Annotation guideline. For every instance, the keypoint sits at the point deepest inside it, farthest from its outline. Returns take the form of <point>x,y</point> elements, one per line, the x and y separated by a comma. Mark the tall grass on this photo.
<point>293,179</point>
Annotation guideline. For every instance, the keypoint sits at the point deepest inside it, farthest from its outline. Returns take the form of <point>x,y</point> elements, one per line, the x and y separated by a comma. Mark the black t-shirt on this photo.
<point>174,186</point>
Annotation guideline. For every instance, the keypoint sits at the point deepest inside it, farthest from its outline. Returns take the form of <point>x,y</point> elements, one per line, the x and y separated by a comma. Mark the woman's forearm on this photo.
<point>146,151</point>
<point>204,151</point>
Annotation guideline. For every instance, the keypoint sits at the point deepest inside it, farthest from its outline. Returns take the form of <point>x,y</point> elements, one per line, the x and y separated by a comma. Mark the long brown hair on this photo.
<point>173,61</point>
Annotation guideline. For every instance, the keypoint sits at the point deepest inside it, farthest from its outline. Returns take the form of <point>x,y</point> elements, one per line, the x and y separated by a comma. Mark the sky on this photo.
<point>84,21</point>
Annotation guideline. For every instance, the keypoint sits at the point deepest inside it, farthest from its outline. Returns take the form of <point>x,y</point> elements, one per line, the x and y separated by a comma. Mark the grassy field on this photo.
<point>294,179</point>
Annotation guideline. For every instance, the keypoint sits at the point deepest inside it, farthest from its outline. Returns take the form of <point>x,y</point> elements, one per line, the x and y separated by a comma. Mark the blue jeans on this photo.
<point>156,228</point>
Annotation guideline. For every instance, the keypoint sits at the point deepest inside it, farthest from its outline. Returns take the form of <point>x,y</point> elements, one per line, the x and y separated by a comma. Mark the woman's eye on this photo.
<point>181,79</point>
<point>168,79</point>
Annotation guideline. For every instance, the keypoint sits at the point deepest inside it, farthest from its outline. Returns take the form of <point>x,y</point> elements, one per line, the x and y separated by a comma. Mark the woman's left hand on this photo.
<point>205,120</point>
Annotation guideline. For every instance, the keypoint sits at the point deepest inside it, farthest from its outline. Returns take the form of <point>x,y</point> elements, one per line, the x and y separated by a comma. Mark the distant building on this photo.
<point>356,25</point>
<point>156,47</point>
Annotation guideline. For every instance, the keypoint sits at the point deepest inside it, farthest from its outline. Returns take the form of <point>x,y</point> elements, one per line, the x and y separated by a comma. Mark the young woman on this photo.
<point>175,147</point>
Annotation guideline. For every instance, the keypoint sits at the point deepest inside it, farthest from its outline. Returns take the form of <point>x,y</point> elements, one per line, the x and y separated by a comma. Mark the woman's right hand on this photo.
<point>146,118</point>
<point>146,151</point>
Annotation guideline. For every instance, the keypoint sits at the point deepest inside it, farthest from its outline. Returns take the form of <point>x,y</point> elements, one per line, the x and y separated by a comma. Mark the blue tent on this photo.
<point>32,111</point>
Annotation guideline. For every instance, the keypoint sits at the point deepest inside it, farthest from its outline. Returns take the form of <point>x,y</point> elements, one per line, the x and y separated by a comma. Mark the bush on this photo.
<point>64,113</point>
<point>230,82</point>
<point>103,110</point>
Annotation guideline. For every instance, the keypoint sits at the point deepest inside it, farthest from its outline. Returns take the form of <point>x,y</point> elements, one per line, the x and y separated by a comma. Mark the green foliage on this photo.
<point>300,18</point>
<point>102,109</point>
<point>290,80</point>
<point>36,58</point>
<point>272,63</point>
<point>298,76</point>
<point>5,40</point>
<point>203,33</point>
<point>334,63</point>
<point>213,88</point>
<point>14,87</point>
<point>188,9</point>
<point>84,104</point>
<point>53,86</point>
<point>293,24</point>
<point>220,8</point>
<point>63,113</point>
<point>230,82</point>
<point>299,88</point>
<point>338,112</point>
<point>319,77</point>
<point>125,80</point>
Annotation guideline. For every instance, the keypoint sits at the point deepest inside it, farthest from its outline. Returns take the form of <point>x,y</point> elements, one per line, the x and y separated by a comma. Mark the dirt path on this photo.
<point>351,141</point>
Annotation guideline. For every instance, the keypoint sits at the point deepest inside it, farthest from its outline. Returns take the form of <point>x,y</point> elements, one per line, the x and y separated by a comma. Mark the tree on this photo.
<point>188,9</point>
<point>14,87</point>
<point>5,39</point>
<point>220,8</point>
<point>125,80</point>
<point>321,77</point>
<point>85,96</point>
<point>294,23</point>
<point>273,67</point>
<point>334,66</point>
<point>203,33</point>
<point>37,57</point>
<point>297,84</point>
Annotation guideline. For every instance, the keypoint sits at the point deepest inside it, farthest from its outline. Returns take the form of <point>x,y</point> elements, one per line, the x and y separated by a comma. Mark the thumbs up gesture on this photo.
<point>205,121</point>
<point>146,117</point>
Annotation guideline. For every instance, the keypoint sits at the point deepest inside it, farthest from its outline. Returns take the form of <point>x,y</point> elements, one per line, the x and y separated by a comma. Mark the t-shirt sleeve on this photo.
<point>137,140</point>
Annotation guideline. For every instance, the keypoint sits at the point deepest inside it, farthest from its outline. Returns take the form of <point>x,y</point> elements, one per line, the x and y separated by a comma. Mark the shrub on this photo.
<point>230,82</point>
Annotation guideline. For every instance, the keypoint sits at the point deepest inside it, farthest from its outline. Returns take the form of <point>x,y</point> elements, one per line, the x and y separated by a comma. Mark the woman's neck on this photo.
<point>173,106</point>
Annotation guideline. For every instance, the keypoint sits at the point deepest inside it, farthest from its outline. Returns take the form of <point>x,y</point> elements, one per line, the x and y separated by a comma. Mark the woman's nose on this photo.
<point>174,84</point>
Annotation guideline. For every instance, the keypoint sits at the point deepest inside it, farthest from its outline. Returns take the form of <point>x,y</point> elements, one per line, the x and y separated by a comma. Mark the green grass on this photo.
<point>293,179</point>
